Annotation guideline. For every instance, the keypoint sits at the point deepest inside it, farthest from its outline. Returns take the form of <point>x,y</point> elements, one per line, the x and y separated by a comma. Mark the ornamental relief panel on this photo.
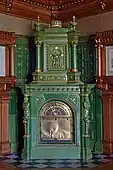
<point>51,78</point>
<point>5,87</point>
<point>87,60</point>
<point>56,57</point>
<point>34,91</point>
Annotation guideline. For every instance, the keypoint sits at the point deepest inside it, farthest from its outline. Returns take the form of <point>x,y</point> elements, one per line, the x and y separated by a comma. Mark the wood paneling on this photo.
<point>4,137</point>
<point>105,83</point>
<point>6,82</point>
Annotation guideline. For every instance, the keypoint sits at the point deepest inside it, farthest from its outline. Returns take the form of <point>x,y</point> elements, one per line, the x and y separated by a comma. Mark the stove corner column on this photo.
<point>26,121</point>
<point>85,121</point>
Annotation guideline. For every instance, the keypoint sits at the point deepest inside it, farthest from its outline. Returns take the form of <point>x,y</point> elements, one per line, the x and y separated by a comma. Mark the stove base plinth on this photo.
<point>57,152</point>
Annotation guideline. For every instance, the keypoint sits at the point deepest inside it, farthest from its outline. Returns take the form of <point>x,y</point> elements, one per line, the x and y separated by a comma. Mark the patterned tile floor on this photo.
<point>97,160</point>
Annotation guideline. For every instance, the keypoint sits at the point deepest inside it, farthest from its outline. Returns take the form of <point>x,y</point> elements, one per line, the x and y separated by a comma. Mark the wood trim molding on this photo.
<point>6,83</point>
<point>46,10</point>
<point>105,83</point>
<point>7,38</point>
<point>105,37</point>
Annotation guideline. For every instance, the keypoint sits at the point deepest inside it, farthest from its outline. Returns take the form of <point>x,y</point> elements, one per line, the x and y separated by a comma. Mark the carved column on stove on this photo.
<point>73,41</point>
<point>85,107</point>
<point>7,81</point>
<point>26,121</point>
<point>38,47</point>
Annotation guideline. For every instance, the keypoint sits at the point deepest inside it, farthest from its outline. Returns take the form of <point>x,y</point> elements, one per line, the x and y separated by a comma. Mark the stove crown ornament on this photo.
<point>56,24</point>
<point>73,23</point>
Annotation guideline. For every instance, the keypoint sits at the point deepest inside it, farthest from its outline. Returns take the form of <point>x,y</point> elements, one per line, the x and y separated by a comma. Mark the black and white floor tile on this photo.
<point>97,160</point>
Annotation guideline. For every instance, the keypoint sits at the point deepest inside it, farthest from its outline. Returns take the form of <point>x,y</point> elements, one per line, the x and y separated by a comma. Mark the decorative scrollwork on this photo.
<point>26,107</point>
<point>7,38</point>
<point>74,99</point>
<point>26,115</point>
<point>86,118</point>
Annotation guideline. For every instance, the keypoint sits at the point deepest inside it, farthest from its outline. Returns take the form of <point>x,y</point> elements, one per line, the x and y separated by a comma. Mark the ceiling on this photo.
<point>56,2</point>
<point>54,9</point>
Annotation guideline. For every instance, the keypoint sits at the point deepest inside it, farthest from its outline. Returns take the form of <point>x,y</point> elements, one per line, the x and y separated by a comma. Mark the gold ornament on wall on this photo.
<point>102,4</point>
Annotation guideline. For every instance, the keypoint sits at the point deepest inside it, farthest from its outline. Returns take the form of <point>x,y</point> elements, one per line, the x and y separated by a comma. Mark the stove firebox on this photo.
<point>56,123</point>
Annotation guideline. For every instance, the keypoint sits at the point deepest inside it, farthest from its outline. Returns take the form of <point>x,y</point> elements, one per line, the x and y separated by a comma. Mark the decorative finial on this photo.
<point>74,18</point>
<point>73,23</point>
<point>38,19</point>
<point>56,24</point>
<point>102,4</point>
<point>37,24</point>
<point>9,4</point>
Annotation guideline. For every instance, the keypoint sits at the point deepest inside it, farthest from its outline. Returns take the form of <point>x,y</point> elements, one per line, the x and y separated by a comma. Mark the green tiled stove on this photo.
<point>56,102</point>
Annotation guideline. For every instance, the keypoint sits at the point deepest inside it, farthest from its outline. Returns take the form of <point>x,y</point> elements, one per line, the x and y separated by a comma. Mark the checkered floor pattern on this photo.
<point>97,160</point>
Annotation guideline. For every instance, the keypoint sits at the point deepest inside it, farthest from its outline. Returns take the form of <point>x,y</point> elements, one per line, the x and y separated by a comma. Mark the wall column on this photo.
<point>7,68</point>
<point>99,54</point>
<point>12,60</point>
